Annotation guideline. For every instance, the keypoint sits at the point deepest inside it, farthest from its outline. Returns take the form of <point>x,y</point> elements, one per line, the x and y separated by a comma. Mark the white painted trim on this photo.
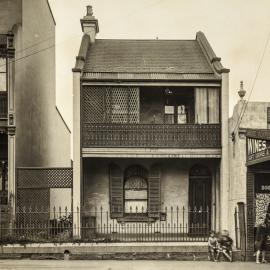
<point>191,84</point>
<point>151,153</point>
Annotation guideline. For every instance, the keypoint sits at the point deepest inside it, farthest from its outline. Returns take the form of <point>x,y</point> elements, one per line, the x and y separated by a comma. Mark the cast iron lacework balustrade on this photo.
<point>151,135</point>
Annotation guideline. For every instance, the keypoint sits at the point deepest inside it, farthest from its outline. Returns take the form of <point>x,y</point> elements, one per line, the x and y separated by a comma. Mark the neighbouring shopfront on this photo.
<point>258,182</point>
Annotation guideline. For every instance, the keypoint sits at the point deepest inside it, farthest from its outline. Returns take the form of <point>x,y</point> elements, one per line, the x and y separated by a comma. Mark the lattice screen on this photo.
<point>119,104</point>
<point>111,104</point>
<point>33,191</point>
<point>44,178</point>
<point>32,207</point>
<point>94,105</point>
<point>134,103</point>
<point>34,198</point>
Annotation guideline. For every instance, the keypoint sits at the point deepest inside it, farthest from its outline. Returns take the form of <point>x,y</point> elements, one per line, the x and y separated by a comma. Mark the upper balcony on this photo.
<point>151,117</point>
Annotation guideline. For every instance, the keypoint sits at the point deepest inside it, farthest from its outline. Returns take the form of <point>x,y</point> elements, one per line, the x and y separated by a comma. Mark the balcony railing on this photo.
<point>151,135</point>
<point>3,105</point>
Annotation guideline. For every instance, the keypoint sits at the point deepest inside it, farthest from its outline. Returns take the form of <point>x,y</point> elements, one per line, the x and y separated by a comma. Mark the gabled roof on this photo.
<point>116,59</point>
<point>146,56</point>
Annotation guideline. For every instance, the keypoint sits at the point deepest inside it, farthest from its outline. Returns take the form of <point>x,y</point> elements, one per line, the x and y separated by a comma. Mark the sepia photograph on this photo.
<point>134,134</point>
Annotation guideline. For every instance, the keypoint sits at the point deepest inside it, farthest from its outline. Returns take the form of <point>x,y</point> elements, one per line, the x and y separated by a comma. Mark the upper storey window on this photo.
<point>3,74</point>
<point>207,106</point>
<point>179,106</point>
<point>188,106</point>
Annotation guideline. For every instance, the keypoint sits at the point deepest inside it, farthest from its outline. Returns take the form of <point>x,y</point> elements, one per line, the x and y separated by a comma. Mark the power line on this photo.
<point>243,109</point>
<point>66,40</point>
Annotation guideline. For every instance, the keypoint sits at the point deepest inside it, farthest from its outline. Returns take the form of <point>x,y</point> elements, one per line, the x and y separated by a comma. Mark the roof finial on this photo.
<point>89,11</point>
<point>241,92</point>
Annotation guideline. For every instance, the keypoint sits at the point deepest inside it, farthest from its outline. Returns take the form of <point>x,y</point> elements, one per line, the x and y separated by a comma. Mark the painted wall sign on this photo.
<point>258,150</point>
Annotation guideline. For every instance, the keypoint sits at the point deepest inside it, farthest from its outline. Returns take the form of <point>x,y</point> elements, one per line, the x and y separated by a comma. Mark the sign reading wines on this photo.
<point>258,149</point>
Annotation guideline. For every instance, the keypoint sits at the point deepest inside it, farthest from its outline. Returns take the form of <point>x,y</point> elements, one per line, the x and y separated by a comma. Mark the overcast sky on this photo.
<point>236,29</point>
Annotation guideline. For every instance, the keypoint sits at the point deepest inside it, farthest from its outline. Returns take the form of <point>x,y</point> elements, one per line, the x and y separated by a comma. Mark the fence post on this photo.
<point>236,228</point>
<point>242,228</point>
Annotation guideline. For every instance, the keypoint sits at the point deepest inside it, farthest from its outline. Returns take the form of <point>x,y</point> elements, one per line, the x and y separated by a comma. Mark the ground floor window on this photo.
<point>134,192</point>
<point>135,189</point>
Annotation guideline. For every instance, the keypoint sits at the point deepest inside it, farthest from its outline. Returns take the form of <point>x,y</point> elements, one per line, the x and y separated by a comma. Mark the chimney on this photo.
<point>90,24</point>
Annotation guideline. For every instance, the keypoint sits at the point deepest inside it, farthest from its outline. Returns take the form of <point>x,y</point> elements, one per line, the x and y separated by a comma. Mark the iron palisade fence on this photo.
<point>35,224</point>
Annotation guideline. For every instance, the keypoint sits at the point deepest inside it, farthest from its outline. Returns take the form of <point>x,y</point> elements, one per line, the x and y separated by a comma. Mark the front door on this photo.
<point>200,205</point>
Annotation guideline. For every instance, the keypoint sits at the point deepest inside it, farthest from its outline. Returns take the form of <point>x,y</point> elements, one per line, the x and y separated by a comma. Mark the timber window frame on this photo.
<point>3,75</point>
<point>119,177</point>
<point>135,195</point>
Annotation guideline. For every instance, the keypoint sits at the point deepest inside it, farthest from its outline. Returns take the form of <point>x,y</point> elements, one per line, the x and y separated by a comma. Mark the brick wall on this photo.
<point>250,214</point>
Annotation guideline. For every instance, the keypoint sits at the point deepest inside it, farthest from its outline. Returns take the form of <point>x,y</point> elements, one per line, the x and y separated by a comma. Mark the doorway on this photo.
<point>200,197</point>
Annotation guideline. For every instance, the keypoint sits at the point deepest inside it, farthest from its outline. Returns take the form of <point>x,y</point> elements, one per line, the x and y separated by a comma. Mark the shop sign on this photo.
<point>258,150</point>
<point>262,183</point>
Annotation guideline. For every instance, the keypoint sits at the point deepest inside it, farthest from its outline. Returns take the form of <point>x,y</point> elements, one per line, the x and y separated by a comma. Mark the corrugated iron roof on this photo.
<point>149,76</point>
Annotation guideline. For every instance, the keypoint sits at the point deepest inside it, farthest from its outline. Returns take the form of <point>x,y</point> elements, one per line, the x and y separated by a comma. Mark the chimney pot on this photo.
<point>89,11</point>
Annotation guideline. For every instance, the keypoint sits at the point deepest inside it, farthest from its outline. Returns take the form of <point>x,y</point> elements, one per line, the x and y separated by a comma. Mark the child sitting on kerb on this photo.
<point>212,247</point>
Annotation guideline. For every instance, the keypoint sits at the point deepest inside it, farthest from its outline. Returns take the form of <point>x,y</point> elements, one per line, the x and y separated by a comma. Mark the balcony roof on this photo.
<point>103,76</point>
<point>149,59</point>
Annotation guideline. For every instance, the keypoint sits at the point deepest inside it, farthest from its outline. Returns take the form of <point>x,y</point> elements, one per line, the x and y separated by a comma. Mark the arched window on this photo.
<point>135,190</point>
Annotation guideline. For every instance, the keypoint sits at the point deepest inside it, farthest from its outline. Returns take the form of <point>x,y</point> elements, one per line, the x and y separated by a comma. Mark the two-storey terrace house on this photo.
<point>150,136</point>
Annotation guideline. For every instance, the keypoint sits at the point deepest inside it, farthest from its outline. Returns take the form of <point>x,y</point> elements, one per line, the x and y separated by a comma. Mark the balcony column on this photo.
<point>224,166</point>
<point>11,138</point>
<point>76,194</point>
<point>11,168</point>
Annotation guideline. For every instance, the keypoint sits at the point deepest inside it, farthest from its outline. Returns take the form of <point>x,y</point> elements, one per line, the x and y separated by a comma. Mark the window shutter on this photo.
<point>116,191</point>
<point>154,192</point>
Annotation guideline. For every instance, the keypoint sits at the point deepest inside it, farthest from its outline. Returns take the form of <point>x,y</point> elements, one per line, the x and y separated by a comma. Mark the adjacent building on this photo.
<point>150,133</point>
<point>249,168</point>
<point>33,135</point>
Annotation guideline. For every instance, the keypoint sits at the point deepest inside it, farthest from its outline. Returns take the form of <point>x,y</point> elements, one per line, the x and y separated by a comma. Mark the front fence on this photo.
<point>60,225</point>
